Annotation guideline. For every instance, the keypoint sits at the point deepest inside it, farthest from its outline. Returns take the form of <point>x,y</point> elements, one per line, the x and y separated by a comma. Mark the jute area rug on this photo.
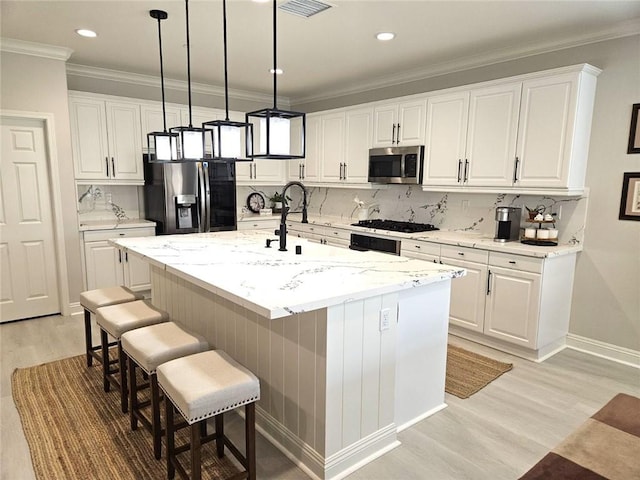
<point>76,431</point>
<point>469,372</point>
<point>606,446</point>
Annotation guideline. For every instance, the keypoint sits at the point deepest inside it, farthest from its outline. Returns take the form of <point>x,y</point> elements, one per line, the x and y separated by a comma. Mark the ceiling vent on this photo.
<point>304,8</point>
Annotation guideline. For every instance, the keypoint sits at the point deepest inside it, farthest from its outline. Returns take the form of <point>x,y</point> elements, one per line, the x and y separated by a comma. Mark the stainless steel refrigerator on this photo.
<point>190,197</point>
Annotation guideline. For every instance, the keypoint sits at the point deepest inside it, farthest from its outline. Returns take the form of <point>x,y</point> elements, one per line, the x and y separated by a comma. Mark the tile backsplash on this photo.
<point>446,210</point>
<point>107,202</point>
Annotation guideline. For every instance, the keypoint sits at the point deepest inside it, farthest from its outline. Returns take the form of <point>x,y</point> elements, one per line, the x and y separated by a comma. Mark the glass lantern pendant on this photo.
<point>227,135</point>
<point>162,146</point>
<point>280,134</point>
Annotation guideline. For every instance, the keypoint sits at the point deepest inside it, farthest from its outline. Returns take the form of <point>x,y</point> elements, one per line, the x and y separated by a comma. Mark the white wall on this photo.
<point>37,84</point>
<point>606,295</point>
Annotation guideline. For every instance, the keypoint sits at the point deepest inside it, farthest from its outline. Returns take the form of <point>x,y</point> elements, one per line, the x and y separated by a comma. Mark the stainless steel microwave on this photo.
<point>396,165</point>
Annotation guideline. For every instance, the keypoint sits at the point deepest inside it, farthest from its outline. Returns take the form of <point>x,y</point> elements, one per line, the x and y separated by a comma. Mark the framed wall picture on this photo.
<point>634,131</point>
<point>630,201</point>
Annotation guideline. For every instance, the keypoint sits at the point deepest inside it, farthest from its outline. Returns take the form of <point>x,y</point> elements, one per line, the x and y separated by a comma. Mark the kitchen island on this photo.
<point>349,346</point>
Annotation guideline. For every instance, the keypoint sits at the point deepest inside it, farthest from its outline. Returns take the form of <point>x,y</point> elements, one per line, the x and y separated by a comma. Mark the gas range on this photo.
<point>396,226</point>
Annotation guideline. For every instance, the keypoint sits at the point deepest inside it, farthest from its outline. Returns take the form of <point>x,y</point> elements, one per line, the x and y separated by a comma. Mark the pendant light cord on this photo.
<point>226,79</point>
<point>275,63</point>
<point>164,113</point>
<point>188,61</point>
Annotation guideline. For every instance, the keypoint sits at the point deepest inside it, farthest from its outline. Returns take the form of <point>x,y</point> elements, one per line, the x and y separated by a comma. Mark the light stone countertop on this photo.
<point>113,224</point>
<point>237,266</point>
<point>453,237</point>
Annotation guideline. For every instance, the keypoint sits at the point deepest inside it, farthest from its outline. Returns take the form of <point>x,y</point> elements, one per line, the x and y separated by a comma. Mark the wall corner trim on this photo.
<point>609,351</point>
<point>35,49</point>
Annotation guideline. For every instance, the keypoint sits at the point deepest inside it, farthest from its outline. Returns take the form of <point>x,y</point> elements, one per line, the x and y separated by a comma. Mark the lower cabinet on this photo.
<point>108,266</point>
<point>340,237</point>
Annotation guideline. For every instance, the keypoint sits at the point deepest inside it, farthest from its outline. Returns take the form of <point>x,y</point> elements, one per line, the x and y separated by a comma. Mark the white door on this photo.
<point>124,132</point>
<point>411,119</point>
<point>468,295</point>
<point>89,138</point>
<point>28,282</point>
<point>104,265</point>
<point>384,125</point>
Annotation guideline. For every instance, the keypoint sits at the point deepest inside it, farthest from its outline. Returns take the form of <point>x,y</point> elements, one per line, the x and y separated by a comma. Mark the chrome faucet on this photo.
<point>285,209</point>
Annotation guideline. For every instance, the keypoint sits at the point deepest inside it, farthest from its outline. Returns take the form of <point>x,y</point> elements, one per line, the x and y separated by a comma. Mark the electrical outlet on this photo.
<point>385,314</point>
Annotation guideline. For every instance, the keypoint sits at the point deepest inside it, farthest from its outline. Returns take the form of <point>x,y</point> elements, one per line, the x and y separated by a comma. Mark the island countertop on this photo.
<point>237,266</point>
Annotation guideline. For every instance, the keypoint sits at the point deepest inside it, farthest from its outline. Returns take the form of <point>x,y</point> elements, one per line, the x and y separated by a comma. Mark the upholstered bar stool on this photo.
<point>148,347</point>
<point>91,300</point>
<point>202,386</point>
<point>115,320</point>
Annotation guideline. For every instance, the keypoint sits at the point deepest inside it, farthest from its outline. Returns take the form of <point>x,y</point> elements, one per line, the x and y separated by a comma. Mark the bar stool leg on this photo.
<point>196,468</point>
<point>156,427</point>
<point>133,394</point>
<point>220,434</point>
<point>171,469</point>
<point>124,390</point>
<point>105,360</point>
<point>88,342</point>
<point>250,439</point>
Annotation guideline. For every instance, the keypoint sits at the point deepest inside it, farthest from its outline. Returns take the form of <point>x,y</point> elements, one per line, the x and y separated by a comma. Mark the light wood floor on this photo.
<point>498,433</point>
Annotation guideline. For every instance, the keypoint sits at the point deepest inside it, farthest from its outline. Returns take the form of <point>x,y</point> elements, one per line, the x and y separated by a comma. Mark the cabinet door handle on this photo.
<point>393,135</point>
<point>459,169</point>
<point>466,168</point>
<point>512,262</point>
<point>515,170</point>
<point>461,254</point>
<point>106,162</point>
<point>119,256</point>
<point>417,246</point>
<point>489,283</point>
<point>344,176</point>
<point>113,168</point>
<point>340,171</point>
<point>303,172</point>
<point>126,257</point>
<point>255,171</point>
<point>398,135</point>
<point>300,171</point>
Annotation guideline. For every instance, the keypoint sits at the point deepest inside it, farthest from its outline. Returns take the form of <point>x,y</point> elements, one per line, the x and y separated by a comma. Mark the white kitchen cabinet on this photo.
<point>447,119</point>
<point>471,137</point>
<point>108,266</point>
<point>308,169</point>
<point>420,250</point>
<point>399,123</point>
<point>358,138</point>
<point>261,172</point>
<point>491,136</point>
<point>332,138</point>
<point>513,300</point>
<point>106,139</point>
<point>555,124</point>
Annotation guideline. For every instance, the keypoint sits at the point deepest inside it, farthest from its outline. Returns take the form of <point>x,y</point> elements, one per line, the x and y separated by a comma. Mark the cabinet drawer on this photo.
<point>517,262</point>
<point>425,248</point>
<point>258,224</point>
<point>464,253</point>
<point>337,233</point>
<point>97,235</point>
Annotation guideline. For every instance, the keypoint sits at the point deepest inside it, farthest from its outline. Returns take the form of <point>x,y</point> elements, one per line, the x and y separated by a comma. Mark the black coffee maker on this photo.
<point>507,224</point>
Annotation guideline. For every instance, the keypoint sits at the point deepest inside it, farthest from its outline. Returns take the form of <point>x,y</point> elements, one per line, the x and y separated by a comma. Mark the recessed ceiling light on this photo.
<point>384,36</point>
<point>277,71</point>
<point>86,33</point>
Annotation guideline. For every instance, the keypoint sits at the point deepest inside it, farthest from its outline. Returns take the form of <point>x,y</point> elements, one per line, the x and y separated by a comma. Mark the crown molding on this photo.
<point>53,52</point>
<point>621,30</point>
<point>154,81</point>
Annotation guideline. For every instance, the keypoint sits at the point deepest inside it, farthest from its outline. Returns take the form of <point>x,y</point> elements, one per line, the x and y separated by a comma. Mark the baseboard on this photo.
<point>419,418</point>
<point>75,309</point>
<point>609,351</point>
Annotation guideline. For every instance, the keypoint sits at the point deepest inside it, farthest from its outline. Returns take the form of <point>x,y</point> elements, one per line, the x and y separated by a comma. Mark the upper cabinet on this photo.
<point>555,125</point>
<point>527,136</point>
<point>308,168</point>
<point>106,140</point>
<point>399,123</point>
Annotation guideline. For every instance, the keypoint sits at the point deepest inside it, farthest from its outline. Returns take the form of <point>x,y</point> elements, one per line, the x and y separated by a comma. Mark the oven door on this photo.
<point>365,243</point>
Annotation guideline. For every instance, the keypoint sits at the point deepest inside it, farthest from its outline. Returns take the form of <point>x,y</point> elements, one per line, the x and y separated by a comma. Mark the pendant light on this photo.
<point>191,139</point>
<point>162,146</point>
<point>279,133</point>
<point>226,135</point>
